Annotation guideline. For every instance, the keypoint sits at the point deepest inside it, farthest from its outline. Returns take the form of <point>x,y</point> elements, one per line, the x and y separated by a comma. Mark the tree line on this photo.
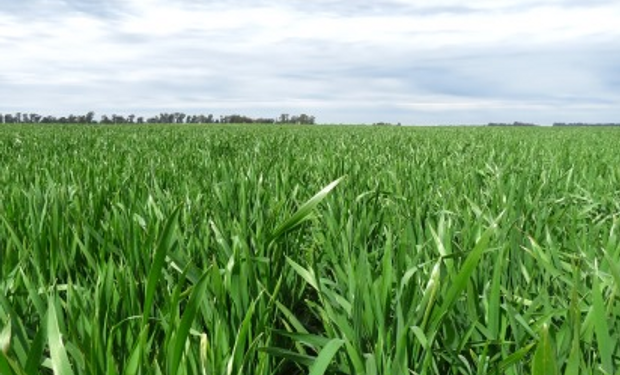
<point>586,124</point>
<point>162,118</point>
<point>518,123</point>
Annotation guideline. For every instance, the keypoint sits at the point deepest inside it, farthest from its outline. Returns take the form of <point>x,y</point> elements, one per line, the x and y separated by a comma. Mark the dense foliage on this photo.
<point>162,118</point>
<point>283,250</point>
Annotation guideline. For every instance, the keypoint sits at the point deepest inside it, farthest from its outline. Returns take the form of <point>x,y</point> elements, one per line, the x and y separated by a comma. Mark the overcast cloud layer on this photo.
<point>343,61</point>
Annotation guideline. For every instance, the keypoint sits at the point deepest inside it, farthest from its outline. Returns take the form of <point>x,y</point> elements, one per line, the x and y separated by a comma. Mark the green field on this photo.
<point>323,250</point>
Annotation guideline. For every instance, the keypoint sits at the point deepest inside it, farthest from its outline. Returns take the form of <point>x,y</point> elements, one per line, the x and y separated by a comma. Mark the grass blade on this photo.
<point>459,283</point>
<point>5,366</point>
<point>601,327</point>
<point>544,357</point>
<point>60,360</point>
<point>324,358</point>
<point>307,275</point>
<point>302,359</point>
<point>165,244</point>
<point>5,337</point>
<point>303,213</point>
<point>180,338</point>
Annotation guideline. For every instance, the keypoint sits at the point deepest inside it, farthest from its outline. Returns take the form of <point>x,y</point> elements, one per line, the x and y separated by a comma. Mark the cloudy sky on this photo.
<point>356,61</point>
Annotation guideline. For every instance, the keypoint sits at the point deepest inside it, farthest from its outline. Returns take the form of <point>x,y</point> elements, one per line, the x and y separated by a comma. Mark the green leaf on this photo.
<point>544,357</point>
<point>324,358</point>
<point>514,358</point>
<point>302,359</point>
<point>292,319</point>
<point>493,308</point>
<point>460,281</point>
<point>601,328</point>
<point>5,337</point>
<point>60,360</point>
<point>574,358</point>
<point>35,355</point>
<point>614,269</point>
<point>419,334</point>
<point>166,241</point>
<point>307,275</point>
<point>314,341</point>
<point>180,338</point>
<point>303,213</point>
<point>5,366</point>
<point>135,358</point>
<point>236,357</point>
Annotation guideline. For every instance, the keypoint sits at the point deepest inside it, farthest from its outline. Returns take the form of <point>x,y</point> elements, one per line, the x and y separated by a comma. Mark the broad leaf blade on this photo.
<point>325,357</point>
<point>60,360</point>
<point>544,358</point>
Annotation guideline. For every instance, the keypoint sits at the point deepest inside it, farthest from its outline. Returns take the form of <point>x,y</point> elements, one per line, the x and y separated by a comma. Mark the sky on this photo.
<point>356,61</point>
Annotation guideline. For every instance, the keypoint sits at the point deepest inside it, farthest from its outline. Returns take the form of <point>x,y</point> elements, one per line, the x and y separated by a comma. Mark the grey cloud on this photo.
<point>382,7</point>
<point>343,8</point>
<point>97,8</point>
<point>40,9</point>
<point>218,71</point>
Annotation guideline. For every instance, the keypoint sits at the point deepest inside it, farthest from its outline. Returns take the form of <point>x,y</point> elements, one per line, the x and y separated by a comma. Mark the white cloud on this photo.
<point>345,62</point>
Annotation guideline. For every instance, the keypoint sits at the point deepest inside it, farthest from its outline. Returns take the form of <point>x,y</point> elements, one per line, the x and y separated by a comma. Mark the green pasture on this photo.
<point>257,249</point>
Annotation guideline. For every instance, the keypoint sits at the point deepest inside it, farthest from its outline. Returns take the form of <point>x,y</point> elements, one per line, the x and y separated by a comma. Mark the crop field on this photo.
<point>309,250</point>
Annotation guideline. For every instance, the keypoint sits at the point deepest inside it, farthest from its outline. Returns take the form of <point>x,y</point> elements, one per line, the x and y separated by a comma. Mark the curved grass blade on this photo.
<point>314,341</point>
<point>514,358</point>
<point>325,357</point>
<point>295,357</point>
<point>307,275</point>
<point>459,283</point>
<point>303,213</point>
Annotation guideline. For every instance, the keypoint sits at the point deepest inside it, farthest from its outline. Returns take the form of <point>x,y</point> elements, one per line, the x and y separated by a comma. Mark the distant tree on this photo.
<point>48,120</point>
<point>179,117</point>
<point>118,119</point>
<point>35,118</point>
<point>264,120</point>
<point>304,119</point>
<point>89,117</point>
<point>164,117</point>
<point>284,118</point>
<point>586,124</point>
